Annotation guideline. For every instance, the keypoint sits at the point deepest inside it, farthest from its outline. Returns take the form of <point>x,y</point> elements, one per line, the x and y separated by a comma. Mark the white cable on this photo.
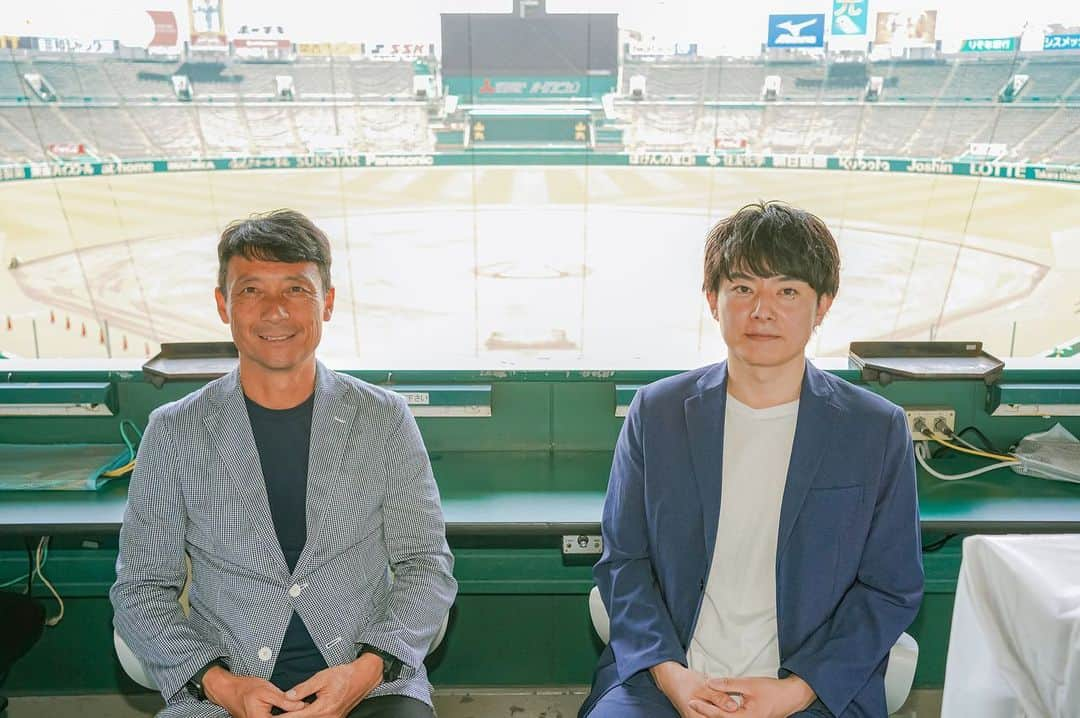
<point>14,581</point>
<point>40,556</point>
<point>25,576</point>
<point>953,436</point>
<point>922,449</point>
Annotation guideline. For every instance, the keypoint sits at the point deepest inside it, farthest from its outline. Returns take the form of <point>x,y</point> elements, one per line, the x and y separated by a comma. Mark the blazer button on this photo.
<point>295,590</point>
<point>265,653</point>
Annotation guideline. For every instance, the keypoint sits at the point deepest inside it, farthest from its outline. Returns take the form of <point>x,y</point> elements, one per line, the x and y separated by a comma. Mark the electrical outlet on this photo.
<point>931,416</point>
<point>583,544</point>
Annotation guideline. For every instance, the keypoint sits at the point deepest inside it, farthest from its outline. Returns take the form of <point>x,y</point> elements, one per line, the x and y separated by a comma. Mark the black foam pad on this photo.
<point>21,622</point>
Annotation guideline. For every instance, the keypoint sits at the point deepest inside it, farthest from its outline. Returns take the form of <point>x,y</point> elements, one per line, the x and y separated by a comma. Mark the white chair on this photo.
<point>900,672</point>
<point>898,676</point>
<point>134,668</point>
<point>131,664</point>
<point>128,661</point>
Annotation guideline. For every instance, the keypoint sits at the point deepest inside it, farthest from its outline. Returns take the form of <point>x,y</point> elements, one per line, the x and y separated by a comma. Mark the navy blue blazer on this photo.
<point>849,575</point>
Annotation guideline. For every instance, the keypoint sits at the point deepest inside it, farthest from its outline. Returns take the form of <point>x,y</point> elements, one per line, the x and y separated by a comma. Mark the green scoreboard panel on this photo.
<point>525,127</point>
<point>503,89</point>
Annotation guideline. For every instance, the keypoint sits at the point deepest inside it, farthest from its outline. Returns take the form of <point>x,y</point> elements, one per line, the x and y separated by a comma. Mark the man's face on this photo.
<point>275,311</point>
<point>766,322</point>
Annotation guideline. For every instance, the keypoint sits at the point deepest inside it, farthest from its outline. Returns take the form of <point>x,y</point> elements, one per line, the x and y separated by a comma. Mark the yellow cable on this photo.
<point>119,471</point>
<point>973,452</point>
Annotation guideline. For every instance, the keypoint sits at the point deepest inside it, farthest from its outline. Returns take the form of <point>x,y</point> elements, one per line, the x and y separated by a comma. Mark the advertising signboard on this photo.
<point>796,31</point>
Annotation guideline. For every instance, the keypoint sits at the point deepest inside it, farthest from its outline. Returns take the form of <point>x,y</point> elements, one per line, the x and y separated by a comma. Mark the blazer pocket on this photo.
<point>829,510</point>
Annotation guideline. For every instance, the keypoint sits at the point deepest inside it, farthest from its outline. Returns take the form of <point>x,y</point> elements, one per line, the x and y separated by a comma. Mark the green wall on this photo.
<point>521,615</point>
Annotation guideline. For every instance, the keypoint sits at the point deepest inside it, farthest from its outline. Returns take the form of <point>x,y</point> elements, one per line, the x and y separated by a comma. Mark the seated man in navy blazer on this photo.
<point>761,528</point>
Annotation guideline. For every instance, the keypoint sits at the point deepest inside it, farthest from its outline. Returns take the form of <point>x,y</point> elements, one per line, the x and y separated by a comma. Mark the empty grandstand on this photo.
<point>127,109</point>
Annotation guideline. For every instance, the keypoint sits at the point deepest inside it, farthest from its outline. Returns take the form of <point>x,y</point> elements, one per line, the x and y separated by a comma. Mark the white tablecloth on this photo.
<point>1014,651</point>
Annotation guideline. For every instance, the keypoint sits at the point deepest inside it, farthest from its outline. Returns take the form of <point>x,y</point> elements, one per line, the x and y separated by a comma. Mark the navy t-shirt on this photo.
<point>283,438</point>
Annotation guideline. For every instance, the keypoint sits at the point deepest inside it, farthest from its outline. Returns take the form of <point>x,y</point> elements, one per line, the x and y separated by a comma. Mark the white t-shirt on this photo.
<point>735,634</point>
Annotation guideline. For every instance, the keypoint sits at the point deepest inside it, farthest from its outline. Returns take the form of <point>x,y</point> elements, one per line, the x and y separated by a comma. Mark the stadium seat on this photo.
<point>899,674</point>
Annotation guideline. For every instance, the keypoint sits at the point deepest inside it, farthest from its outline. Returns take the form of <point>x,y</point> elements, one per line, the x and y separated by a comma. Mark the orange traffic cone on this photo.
<point>124,342</point>
<point>9,322</point>
<point>67,322</point>
<point>52,317</point>
<point>83,329</point>
<point>101,336</point>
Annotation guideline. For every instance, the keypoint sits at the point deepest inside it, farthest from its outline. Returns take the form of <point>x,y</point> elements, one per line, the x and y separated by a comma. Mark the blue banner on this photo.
<point>1061,42</point>
<point>797,30</point>
<point>849,17</point>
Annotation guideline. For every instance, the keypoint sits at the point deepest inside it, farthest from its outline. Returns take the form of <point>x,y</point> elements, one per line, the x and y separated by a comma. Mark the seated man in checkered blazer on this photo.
<point>305,499</point>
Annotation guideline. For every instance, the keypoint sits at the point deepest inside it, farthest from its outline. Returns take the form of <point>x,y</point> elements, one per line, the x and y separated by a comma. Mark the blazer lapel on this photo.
<point>813,431</point>
<point>331,422</point>
<point>705,428</point>
<point>236,447</point>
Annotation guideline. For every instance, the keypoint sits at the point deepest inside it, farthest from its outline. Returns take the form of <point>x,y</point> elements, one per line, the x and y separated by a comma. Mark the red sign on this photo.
<point>165,28</point>
<point>67,150</point>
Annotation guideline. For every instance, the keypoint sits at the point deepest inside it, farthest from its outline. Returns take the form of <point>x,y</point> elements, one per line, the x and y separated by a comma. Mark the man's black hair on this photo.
<point>283,235</point>
<point>771,239</point>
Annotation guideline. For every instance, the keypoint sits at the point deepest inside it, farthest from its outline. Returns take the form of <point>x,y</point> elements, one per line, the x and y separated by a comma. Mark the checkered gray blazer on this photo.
<point>376,568</point>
